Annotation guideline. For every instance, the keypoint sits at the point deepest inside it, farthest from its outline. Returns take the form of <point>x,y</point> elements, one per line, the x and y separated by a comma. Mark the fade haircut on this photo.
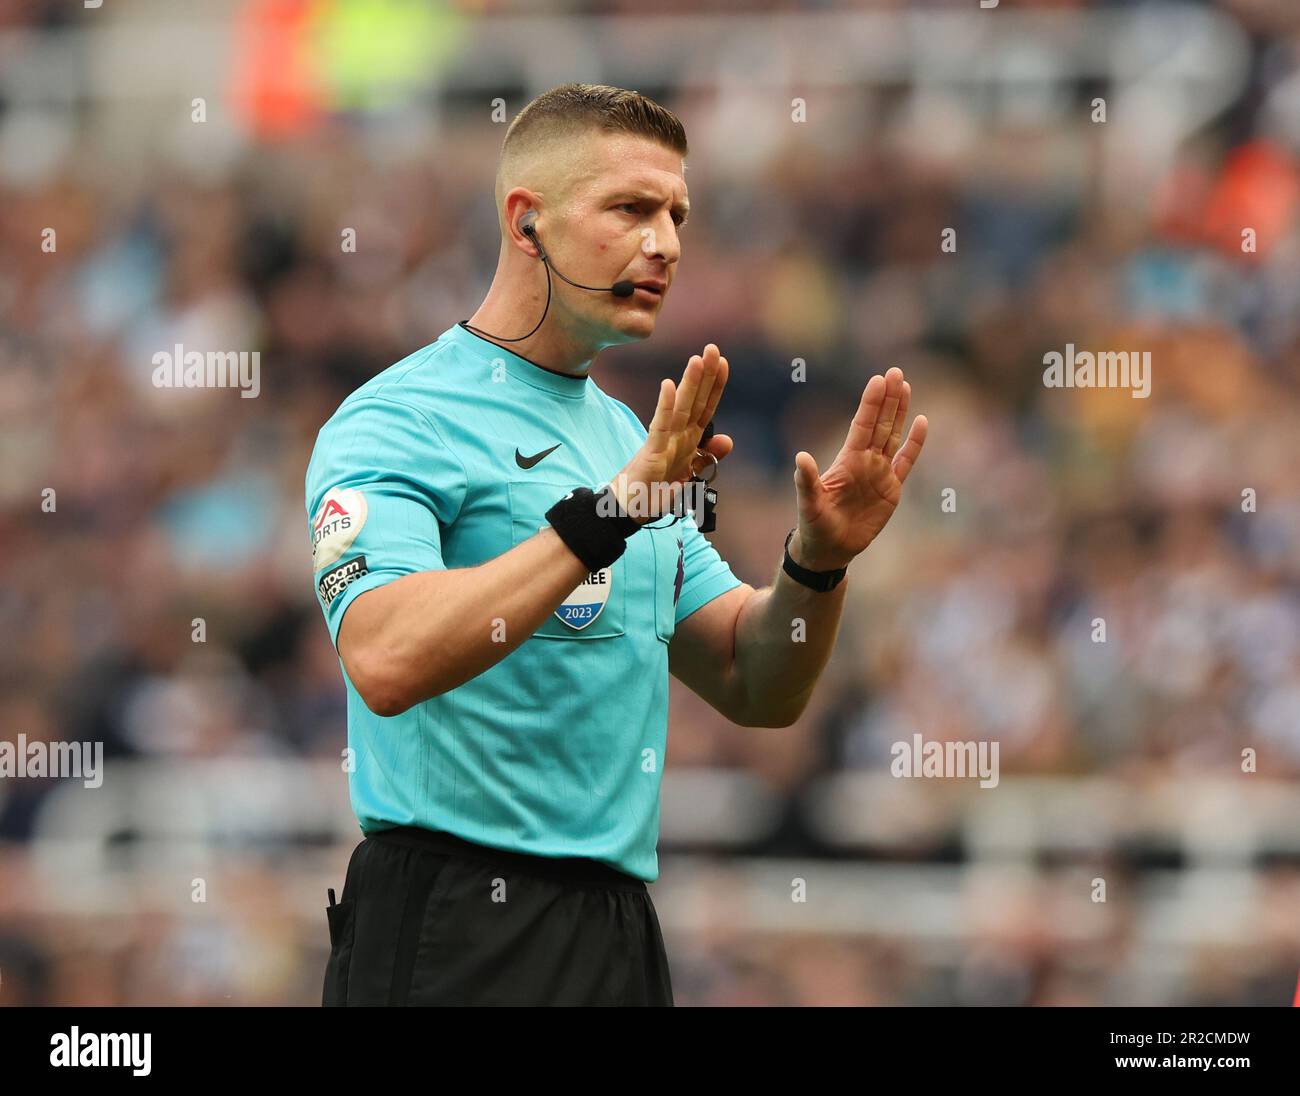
<point>571,110</point>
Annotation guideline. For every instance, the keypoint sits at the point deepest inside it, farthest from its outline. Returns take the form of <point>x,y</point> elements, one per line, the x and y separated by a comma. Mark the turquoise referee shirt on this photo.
<point>448,459</point>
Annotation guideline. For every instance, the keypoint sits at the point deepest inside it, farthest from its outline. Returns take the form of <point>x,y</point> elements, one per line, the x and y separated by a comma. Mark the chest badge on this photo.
<point>588,600</point>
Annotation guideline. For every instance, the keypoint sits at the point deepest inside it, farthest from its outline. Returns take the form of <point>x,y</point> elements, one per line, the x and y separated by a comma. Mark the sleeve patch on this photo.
<point>332,583</point>
<point>341,515</point>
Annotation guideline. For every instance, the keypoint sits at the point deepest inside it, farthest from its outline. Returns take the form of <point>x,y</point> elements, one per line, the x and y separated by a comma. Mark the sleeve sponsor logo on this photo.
<point>332,583</point>
<point>341,515</point>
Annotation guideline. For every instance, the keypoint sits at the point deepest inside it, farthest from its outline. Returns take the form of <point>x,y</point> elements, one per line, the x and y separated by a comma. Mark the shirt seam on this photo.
<point>464,472</point>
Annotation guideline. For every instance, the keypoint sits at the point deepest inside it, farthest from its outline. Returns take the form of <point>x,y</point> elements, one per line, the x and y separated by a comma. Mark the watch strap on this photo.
<point>821,581</point>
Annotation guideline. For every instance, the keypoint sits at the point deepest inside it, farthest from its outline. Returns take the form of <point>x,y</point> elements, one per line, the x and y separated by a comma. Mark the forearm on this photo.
<point>784,636</point>
<point>424,634</point>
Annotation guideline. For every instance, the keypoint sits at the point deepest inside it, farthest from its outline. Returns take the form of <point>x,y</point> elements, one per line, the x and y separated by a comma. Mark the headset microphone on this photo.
<point>527,225</point>
<point>528,228</point>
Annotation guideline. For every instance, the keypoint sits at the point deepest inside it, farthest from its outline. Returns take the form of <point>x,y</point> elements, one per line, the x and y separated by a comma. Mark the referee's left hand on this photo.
<point>843,510</point>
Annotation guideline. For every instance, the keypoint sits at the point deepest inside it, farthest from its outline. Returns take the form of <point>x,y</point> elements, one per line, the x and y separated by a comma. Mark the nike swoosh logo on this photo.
<point>528,462</point>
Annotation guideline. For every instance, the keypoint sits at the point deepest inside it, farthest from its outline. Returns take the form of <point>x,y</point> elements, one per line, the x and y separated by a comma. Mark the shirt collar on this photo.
<point>519,367</point>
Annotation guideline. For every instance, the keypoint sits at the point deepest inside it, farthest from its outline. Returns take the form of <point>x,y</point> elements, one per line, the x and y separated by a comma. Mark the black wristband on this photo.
<point>821,581</point>
<point>596,538</point>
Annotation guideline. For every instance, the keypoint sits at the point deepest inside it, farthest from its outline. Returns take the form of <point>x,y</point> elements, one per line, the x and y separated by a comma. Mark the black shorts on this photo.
<point>428,919</point>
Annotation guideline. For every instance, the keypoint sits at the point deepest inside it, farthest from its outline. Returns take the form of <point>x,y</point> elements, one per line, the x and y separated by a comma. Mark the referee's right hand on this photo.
<point>665,462</point>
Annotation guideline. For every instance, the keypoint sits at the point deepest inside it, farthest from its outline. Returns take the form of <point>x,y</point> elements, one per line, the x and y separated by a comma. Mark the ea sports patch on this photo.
<point>332,583</point>
<point>341,515</point>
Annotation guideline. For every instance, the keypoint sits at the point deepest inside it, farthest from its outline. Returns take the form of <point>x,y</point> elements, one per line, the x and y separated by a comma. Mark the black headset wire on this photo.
<point>546,263</point>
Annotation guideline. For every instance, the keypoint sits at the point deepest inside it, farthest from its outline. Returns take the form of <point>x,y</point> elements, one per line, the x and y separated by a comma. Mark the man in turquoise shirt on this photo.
<point>423,469</point>
<point>509,574</point>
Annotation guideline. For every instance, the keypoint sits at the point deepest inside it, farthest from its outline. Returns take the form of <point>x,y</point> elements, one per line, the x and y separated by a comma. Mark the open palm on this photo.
<point>843,510</point>
<point>664,464</point>
<point>680,417</point>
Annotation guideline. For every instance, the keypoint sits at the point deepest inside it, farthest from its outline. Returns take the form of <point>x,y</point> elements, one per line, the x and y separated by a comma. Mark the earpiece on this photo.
<point>528,226</point>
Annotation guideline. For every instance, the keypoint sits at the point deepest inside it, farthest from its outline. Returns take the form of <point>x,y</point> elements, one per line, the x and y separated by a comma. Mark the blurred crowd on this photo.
<point>1104,585</point>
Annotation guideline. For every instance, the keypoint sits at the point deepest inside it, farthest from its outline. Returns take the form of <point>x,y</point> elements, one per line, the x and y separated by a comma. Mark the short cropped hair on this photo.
<point>573,109</point>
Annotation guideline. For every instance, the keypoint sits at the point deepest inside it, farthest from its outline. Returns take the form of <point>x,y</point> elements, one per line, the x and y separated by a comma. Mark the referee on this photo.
<point>510,567</point>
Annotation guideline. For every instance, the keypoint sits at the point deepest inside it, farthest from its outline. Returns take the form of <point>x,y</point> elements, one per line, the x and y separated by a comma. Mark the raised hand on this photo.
<point>843,510</point>
<point>665,461</point>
